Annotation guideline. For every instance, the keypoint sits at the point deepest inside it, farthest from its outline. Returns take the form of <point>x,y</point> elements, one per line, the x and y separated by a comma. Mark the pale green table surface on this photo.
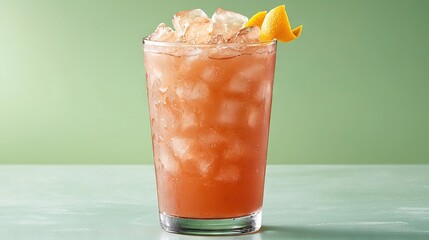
<point>301,202</point>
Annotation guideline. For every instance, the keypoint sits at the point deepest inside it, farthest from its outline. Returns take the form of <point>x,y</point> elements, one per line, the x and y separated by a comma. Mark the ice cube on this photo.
<point>234,150</point>
<point>224,52</point>
<point>205,163</point>
<point>264,90</point>
<point>166,117</point>
<point>166,160</point>
<point>163,120</point>
<point>253,71</point>
<point>189,120</point>
<point>183,91</point>
<point>191,57</point>
<point>193,54</point>
<point>153,77</point>
<point>227,23</point>
<point>211,139</point>
<point>163,34</point>
<point>200,91</point>
<point>228,174</point>
<point>247,35</point>
<point>229,111</point>
<point>218,39</point>
<point>163,89</point>
<point>201,164</point>
<point>182,20</point>
<point>238,84</point>
<point>181,148</point>
<point>268,105</point>
<point>188,91</point>
<point>193,26</point>
<point>210,74</point>
<point>253,117</point>
<point>198,33</point>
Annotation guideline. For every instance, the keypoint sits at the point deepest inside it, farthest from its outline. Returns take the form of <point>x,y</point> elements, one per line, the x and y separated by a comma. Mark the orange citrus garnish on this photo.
<point>276,26</point>
<point>257,19</point>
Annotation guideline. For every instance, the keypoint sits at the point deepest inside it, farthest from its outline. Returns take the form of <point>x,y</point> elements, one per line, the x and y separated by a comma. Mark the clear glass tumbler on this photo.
<point>210,109</point>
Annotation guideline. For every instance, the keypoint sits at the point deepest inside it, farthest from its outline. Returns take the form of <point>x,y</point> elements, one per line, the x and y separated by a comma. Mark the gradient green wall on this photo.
<point>353,89</point>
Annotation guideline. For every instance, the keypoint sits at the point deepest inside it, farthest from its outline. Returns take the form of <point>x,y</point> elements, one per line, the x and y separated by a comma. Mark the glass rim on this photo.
<point>206,45</point>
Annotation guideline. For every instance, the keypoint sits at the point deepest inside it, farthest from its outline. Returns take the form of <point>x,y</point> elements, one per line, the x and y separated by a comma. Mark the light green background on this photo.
<point>353,89</point>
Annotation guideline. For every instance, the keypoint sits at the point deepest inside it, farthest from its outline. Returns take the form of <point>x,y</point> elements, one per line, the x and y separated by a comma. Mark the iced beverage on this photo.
<point>210,114</point>
<point>209,85</point>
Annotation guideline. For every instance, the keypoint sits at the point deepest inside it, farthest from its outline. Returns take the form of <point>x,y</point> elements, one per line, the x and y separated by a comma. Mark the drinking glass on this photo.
<point>210,108</point>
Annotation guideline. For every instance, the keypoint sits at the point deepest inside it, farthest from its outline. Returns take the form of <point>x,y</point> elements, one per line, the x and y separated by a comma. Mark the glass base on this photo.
<point>224,226</point>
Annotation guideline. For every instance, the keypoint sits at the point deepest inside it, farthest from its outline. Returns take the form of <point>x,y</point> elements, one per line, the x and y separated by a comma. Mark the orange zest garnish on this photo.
<point>257,19</point>
<point>276,26</point>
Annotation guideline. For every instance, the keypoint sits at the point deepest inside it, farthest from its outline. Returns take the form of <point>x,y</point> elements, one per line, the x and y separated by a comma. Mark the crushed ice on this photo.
<point>195,27</point>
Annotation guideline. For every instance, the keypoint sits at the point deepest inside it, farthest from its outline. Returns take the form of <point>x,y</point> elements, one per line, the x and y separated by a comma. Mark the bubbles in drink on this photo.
<point>166,118</point>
